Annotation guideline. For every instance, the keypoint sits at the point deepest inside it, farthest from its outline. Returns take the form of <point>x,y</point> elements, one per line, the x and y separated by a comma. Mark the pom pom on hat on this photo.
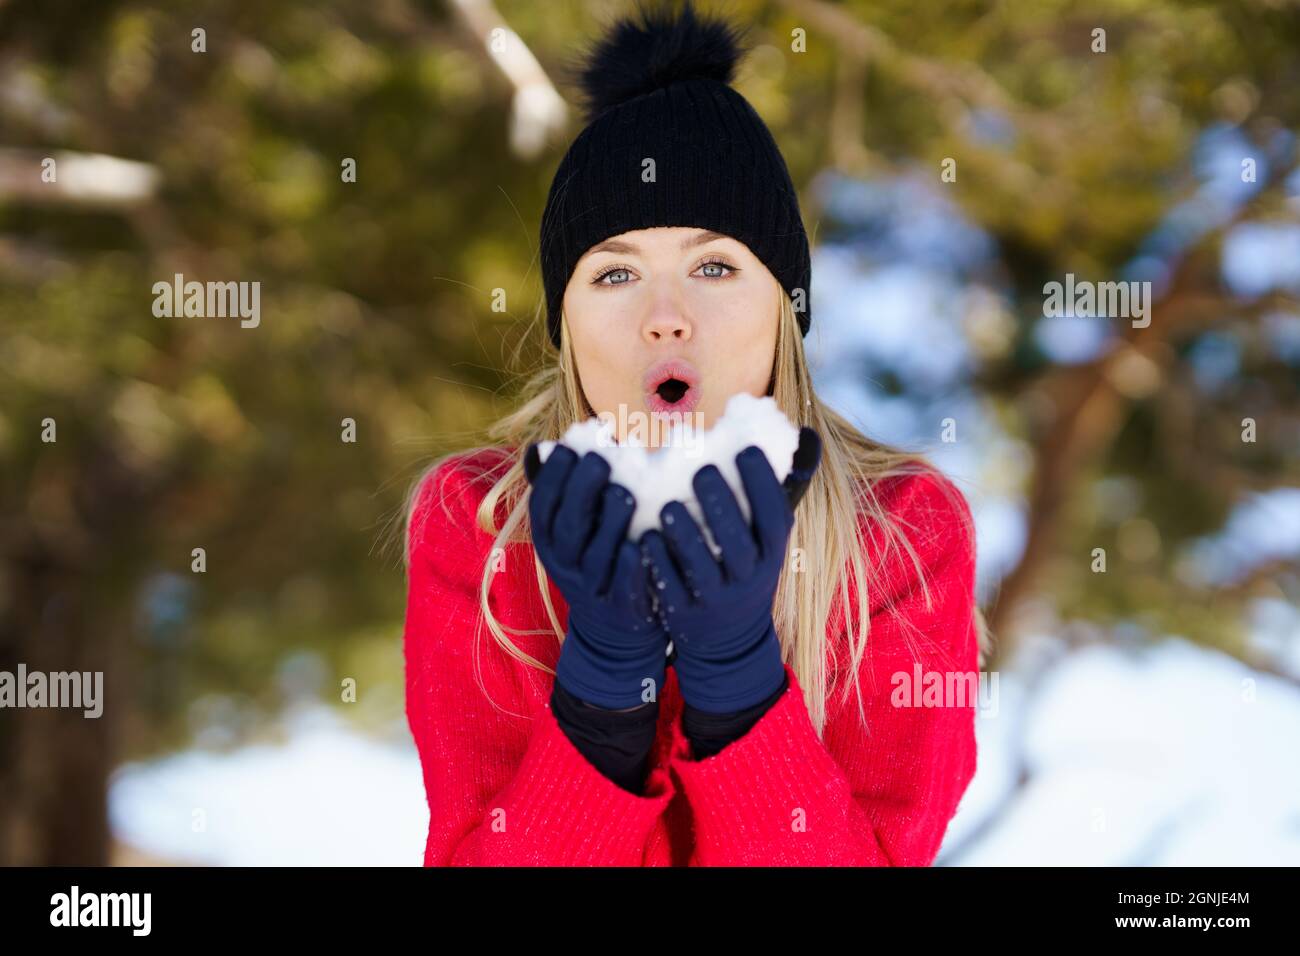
<point>646,52</point>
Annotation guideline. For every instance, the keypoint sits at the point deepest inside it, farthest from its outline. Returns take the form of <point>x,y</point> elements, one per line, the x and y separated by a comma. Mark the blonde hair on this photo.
<point>827,523</point>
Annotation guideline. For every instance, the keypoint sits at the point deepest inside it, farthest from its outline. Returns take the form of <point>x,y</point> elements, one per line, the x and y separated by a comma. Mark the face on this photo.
<point>669,323</point>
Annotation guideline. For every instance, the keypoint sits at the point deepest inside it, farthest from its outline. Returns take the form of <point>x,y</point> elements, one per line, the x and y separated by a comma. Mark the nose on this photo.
<point>666,321</point>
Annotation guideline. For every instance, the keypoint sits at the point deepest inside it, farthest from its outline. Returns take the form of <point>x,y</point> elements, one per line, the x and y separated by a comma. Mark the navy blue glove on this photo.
<point>719,614</point>
<point>615,642</point>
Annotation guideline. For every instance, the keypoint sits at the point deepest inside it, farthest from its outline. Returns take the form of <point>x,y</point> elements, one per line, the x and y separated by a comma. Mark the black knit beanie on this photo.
<point>658,90</point>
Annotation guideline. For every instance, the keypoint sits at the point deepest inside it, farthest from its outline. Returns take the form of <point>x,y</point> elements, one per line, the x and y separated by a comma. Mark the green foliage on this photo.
<point>176,433</point>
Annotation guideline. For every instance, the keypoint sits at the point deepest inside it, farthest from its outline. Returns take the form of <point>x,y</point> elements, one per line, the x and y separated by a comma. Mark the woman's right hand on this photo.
<point>614,649</point>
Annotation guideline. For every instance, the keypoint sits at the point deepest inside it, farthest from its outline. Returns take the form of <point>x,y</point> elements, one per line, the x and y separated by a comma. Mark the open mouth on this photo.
<point>672,385</point>
<point>672,390</point>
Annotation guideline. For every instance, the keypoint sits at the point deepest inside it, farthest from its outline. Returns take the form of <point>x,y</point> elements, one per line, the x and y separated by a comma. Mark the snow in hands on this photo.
<point>658,476</point>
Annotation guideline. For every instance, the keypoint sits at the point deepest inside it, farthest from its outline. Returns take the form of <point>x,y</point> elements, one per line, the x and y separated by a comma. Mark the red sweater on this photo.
<point>506,786</point>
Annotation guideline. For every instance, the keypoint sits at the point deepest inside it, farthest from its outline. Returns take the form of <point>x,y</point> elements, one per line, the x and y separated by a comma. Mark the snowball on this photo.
<point>658,476</point>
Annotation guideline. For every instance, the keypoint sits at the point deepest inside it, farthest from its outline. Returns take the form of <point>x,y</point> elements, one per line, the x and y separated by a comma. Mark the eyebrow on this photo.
<point>617,245</point>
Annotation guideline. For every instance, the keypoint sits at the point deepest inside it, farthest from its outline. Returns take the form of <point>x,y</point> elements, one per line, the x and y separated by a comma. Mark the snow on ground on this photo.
<point>1162,756</point>
<point>329,796</point>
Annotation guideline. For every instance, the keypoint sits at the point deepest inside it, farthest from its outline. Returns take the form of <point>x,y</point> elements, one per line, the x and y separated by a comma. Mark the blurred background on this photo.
<point>380,168</point>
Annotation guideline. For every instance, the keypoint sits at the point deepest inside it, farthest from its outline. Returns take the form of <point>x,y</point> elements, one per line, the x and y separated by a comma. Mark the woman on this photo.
<point>700,711</point>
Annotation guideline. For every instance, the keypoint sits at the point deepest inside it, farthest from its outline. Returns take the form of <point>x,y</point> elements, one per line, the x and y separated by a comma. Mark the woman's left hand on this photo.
<point>719,614</point>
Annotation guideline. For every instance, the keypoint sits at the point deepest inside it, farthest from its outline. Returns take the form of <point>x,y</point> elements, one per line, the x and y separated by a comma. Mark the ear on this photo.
<point>806,459</point>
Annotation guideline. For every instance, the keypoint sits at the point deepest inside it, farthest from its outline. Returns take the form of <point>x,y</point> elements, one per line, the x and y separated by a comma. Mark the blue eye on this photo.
<point>718,263</point>
<point>612,270</point>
